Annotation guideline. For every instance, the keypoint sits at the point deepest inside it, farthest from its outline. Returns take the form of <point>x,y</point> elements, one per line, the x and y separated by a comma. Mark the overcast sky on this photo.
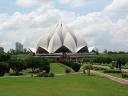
<point>102,23</point>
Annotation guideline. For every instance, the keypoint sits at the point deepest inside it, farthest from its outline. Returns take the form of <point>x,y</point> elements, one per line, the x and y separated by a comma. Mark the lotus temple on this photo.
<point>63,44</point>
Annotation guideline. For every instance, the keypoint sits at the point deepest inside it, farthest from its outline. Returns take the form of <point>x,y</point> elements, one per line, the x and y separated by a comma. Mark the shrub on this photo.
<point>112,71</point>
<point>75,66</point>
<point>111,67</point>
<point>124,75</point>
<point>44,74</point>
<point>67,70</point>
<point>87,67</point>
<point>3,68</point>
<point>14,74</point>
<point>100,68</point>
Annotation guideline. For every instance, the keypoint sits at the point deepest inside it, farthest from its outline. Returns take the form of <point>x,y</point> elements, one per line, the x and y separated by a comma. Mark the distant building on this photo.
<point>1,49</point>
<point>19,47</point>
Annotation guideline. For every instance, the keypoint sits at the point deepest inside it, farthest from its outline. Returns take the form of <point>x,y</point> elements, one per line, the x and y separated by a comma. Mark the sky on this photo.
<point>101,23</point>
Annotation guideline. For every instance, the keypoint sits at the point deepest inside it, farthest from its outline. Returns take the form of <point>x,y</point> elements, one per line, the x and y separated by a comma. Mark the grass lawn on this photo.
<point>68,85</point>
<point>58,68</point>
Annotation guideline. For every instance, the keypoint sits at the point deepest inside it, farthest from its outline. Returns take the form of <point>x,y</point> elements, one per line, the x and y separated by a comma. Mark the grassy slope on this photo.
<point>69,85</point>
<point>59,68</point>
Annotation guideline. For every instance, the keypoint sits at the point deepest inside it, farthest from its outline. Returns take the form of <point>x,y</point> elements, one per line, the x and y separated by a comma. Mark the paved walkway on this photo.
<point>119,80</point>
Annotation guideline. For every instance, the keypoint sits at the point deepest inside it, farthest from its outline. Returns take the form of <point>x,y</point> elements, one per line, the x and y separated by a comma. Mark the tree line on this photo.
<point>17,64</point>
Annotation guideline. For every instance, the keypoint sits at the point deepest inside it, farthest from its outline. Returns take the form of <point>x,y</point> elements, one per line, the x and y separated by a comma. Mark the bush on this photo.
<point>124,75</point>
<point>112,71</point>
<point>67,70</point>
<point>44,74</point>
<point>87,67</point>
<point>75,66</point>
<point>100,68</point>
<point>3,68</point>
<point>14,74</point>
<point>111,67</point>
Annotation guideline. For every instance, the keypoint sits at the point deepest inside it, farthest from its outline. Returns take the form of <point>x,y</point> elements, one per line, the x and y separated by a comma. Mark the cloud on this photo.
<point>117,9</point>
<point>75,3</point>
<point>97,28</point>
<point>28,28</point>
<point>28,3</point>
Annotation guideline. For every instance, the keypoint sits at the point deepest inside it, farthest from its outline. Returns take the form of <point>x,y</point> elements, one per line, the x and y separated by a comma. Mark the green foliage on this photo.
<point>38,62</point>
<point>110,66</point>
<point>4,56</point>
<point>44,74</point>
<point>99,68</point>
<point>67,70</point>
<point>103,59</point>
<point>87,66</point>
<point>124,75</point>
<point>17,65</point>
<point>75,66</point>
<point>107,58</point>
<point>33,63</point>
<point>3,68</point>
<point>125,66</point>
<point>112,71</point>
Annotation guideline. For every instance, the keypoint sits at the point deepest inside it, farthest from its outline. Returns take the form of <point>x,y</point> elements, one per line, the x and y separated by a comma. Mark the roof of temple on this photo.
<point>61,39</point>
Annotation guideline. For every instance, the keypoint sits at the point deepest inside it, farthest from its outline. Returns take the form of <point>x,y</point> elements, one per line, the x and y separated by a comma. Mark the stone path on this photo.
<point>119,80</point>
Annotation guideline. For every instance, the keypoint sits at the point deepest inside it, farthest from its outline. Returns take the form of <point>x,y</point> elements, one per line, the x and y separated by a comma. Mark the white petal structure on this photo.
<point>92,49</point>
<point>33,50</point>
<point>61,39</point>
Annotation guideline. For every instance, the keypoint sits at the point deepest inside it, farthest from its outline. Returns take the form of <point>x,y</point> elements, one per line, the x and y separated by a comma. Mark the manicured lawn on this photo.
<point>58,68</point>
<point>68,85</point>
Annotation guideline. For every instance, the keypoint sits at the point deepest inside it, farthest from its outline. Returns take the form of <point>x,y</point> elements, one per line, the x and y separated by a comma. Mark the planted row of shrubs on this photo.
<point>124,75</point>
<point>100,68</point>
<point>44,74</point>
<point>75,66</point>
<point>112,71</point>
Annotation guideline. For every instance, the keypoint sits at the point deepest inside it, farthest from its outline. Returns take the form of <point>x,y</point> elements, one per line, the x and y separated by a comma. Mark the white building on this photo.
<point>63,44</point>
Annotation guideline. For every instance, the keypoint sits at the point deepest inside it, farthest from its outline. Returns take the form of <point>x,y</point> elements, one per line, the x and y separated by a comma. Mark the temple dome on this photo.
<point>61,39</point>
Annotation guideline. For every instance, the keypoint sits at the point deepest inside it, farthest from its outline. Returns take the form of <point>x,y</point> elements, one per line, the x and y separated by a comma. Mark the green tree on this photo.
<point>17,65</point>
<point>87,67</point>
<point>40,63</point>
<point>3,68</point>
<point>33,63</point>
<point>4,56</point>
